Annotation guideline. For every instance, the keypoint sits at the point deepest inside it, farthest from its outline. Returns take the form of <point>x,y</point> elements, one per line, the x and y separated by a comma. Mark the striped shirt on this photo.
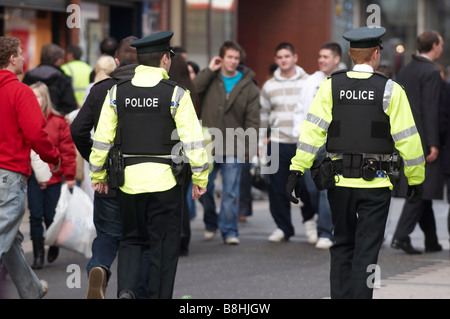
<point>278,100</point>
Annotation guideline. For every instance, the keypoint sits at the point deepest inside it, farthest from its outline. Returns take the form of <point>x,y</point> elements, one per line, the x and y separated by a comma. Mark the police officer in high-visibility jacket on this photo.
<point>364,118</point>
<point>148,118</point>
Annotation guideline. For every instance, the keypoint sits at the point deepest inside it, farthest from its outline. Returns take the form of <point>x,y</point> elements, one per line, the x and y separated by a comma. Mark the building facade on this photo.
<point>201,26</point>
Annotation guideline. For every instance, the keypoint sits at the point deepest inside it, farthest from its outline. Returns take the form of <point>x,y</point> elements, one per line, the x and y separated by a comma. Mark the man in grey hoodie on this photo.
<point>279,97</point>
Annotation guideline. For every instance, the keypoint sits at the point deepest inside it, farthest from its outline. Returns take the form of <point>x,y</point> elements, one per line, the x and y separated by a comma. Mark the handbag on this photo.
<point>73,226</point>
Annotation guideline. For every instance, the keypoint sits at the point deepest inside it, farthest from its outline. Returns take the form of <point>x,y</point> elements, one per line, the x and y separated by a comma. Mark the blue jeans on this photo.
<point>108,224</point>
<point>191,202</point>
<point>13,192</point>
<point>227,219</point>
<point>42,204</point>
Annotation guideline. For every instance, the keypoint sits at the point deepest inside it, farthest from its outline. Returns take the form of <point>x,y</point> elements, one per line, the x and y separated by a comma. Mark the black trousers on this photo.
<point>417,213</point>
<point>152,225</point>
<point>359,216</point>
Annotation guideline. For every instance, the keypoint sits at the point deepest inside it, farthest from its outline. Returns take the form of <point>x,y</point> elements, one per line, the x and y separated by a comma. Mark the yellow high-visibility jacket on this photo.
<point>79,71</point>
<point>151,177</point>
<point>403,130</point>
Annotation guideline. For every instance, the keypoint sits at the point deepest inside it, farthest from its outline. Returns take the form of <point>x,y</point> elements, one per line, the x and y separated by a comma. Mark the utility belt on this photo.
<point>117,161</point>
<point>324,170</point>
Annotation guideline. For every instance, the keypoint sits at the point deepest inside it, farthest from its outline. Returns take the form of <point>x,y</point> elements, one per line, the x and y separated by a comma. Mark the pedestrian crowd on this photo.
<point>62,122</point>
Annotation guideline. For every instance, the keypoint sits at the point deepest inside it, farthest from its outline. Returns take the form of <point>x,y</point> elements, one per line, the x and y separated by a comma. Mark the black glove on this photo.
<point>292,184</point>
<point>414,193</point>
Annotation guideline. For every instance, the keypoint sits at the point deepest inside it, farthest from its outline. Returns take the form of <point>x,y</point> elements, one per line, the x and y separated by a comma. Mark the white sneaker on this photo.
<point>44,285</point>
<point>209,235</point>
<point>277,236</point>
<point>311,231</point>
<point>232,241</point>
<point>324,243</point>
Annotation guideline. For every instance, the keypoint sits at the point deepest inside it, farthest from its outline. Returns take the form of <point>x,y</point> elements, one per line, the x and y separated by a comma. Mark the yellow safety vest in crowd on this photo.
<point>79,71</point>
<point>151,177</point>
<point>403,130</point>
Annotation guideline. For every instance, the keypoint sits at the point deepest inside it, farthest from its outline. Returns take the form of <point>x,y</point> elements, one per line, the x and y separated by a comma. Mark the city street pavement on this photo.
<point>258,269</point>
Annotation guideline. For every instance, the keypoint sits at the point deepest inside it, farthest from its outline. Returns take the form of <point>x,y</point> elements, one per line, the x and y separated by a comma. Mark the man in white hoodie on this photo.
<point>278,100</point>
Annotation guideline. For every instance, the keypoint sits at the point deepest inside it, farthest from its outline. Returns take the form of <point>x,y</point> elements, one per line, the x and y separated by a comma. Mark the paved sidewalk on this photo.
<point>428,279</point>
<point>429,282</point>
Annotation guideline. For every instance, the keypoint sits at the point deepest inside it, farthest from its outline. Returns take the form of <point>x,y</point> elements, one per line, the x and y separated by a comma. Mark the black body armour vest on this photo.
<point>145,123</point>
<point>359,123</point>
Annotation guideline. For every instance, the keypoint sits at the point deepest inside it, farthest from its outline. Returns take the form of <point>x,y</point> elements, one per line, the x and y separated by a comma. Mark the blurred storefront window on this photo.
<point>26,24</point>
<point>400,18</point>
<point>207,24</point>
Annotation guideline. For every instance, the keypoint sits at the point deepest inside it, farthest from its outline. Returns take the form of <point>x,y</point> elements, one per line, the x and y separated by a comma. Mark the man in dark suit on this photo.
<point>423,84</point>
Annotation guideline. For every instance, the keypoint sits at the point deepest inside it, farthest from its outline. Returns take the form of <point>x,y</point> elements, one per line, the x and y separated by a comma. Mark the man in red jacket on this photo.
<point>21,129</point>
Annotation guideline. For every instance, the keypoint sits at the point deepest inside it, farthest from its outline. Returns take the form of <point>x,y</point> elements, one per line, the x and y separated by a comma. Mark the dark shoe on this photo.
<point>184,252</point>
<point>53,253</point>
<point>184,245</point>
<point>126,294</point>
<point>38,253</point>
<point>242,219</point>
<point>433,248</point>
<point>405,246</point>
<point>98,281</point>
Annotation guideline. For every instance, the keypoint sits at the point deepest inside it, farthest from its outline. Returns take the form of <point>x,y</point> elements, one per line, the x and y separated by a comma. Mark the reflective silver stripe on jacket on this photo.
<point>94,168</point>
<point>193,145</point>
<point>200,169</point>
<point>317,121</point>
<point>176,101</point>
<point>388,95</point>
<point>414,162</point>
<point>308,148</point>
<point>405,133</point>
<point>112,99</point>
<point>102,146</point>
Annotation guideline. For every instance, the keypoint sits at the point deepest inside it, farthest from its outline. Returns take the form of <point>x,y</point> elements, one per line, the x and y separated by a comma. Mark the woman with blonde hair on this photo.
<point>105,65</point>
<point>43,197</point>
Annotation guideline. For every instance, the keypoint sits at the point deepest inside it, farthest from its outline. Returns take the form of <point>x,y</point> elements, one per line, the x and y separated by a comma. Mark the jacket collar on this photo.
<point>422,59</point>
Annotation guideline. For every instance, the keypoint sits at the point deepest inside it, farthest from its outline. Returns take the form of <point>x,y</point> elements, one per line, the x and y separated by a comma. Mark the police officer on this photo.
<point>363,116</point>
<point>149,118</point>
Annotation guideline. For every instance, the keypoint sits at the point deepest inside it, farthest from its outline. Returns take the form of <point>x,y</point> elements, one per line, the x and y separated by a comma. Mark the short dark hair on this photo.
<point>178,50</point>
<point>230,44</point>
<point>9,46</point>
<point>386,70</point>
<point>152,59</point>
<point>426,40</point>
<point>126,54</point>
<point>50,53</point>
<point>75,50</point>
<point>108,46</point>
<point>286,46</point>
<point>194,66</point>
<point>334,47</point>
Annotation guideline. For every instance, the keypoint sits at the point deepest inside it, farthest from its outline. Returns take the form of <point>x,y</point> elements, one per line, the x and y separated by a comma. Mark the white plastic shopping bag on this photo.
<point>73,226</point>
